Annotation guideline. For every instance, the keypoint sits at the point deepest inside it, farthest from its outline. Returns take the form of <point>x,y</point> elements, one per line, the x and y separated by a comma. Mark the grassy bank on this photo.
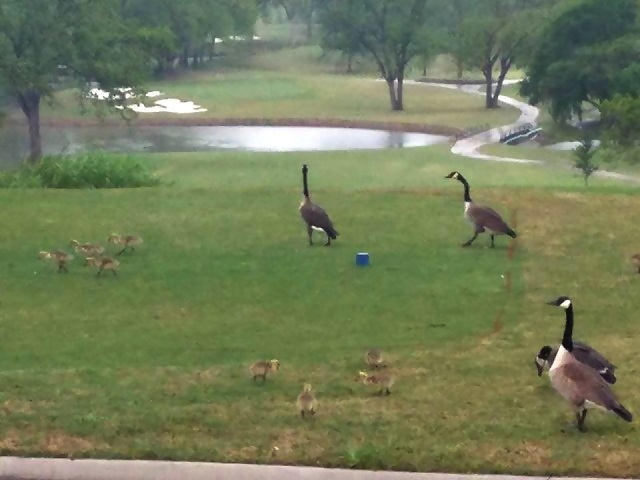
<point>153,363</point>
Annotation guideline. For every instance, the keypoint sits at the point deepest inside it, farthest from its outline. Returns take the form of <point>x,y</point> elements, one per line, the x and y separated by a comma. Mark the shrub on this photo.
<point>583,158</point>
<point>89,170</point>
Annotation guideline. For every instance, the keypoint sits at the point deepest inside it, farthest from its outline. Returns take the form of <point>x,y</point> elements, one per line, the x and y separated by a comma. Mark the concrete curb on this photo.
<point>16,468</point>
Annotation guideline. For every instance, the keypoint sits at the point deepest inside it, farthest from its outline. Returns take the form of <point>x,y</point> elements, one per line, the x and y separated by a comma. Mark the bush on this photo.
<point>89,170</point>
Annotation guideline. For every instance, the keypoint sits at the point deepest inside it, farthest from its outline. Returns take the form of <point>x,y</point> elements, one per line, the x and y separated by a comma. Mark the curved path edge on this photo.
<point>16,468</point>
<point>468,147</point>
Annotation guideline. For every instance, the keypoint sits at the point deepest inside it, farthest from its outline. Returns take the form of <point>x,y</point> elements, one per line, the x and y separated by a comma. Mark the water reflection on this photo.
<point>14,140</point>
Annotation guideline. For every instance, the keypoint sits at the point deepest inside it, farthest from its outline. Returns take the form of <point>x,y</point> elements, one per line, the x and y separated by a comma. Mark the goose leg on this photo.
<point>310,234</point>
<point>580,416</point>
<point>471,240</point>
<point>492,241</point>
<point>121,251</point>
<point>388,392</point>
<point>114,273</point>
<point>328,240</point>
<point>302,413</point>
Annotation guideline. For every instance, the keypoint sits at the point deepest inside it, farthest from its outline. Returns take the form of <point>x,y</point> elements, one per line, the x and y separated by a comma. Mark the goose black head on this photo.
<point>453,175</point>
<point>562,301</point>
<point>542,358</point>
<point>304,168</point>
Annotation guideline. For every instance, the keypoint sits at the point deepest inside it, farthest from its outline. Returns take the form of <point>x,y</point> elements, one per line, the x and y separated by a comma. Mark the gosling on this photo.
<point>261,368</point>
<point>383,380</point>
<point>635,260</point>
<point>375,358</point>
<point>62,259</point>
<point>129,241</point>
<point>306,401</point>
<point>103,264</point>
<point>87,249</point>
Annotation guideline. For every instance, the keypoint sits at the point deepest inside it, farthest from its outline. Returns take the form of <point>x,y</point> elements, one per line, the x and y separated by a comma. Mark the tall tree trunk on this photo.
<point>29,102</point>
<point>350,62</point>
<point>393,96</point>
<point>400,93</point>
<point>488,76</point>
<point>505,65</point>
<point>459,68</point>
<point>184,58</point>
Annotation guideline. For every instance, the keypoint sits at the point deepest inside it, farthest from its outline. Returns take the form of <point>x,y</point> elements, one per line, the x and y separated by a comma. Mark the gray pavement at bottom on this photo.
<point>15,468</point>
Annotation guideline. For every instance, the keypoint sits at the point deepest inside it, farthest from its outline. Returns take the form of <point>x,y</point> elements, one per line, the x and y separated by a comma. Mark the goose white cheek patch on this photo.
<point>566,304</point>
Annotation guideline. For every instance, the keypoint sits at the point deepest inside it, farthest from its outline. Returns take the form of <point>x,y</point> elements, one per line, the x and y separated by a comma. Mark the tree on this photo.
<point>86,37</point>
<point>493,38</point>
<point>583,160</point>
<point>388,30</point>
<point>587,52</point>
<point>621,120</point>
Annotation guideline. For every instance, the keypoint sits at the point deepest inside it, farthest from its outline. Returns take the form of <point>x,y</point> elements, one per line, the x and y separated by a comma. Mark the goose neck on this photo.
<point>567,337</point>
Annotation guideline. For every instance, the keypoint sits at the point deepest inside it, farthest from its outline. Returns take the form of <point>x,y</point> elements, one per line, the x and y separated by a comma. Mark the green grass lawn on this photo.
<point>276,95</point>
<point>154,363</point>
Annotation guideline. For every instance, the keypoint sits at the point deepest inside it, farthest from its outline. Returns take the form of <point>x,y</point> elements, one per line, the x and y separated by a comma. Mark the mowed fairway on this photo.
<point>154,363</point>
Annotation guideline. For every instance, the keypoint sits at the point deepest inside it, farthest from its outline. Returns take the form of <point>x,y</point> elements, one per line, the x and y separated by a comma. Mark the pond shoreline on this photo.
<point>406,127</point>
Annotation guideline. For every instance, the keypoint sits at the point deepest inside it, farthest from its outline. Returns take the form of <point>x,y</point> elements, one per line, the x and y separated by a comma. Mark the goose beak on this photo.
<point>553,303</point>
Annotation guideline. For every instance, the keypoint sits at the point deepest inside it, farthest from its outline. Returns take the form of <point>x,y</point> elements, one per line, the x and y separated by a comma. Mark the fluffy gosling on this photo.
<point>261,368</point>
<point>383,380</point>
<point>635,261</point>
<point>375,358</point>
<point>58,256</point>
<point>306,401</point>
<point>129,241</point>
<point>105,263</point>
<point>87,249</point>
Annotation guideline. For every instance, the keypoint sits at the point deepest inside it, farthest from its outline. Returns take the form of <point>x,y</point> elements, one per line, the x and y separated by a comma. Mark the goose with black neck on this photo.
<point>579,384</point>
<point>482,218</point>
<point>313,215</point>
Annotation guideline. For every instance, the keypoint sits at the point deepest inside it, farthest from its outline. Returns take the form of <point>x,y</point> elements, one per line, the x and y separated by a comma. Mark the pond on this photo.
<point>56,140</point>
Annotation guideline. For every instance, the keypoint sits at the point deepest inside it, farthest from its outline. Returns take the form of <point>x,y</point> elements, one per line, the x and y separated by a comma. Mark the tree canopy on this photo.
<point>390,31</point>
<point>85,38</point>
<point>588,53</point>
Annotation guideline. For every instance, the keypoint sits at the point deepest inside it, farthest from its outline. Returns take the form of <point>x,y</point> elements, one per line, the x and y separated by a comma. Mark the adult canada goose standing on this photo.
<point>482,218</point>
<point>579,384</point>
<point>313,215</point>
<point>584,353</point>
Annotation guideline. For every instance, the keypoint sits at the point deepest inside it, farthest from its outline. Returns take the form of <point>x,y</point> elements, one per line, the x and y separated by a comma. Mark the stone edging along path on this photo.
<point>14,468</point>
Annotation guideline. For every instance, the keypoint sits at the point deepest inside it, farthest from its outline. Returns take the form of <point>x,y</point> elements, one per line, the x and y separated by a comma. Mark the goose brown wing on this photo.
<point>487,217</point>
<point>590,356</point>
<point>316,216</point>
<point>578,382</point>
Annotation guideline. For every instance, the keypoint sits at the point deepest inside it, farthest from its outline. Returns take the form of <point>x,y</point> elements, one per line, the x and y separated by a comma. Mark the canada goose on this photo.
<point>306,401</point>
<point>129,241</point>
<point>87,249</point>
<point>584,353</point>
<point>261,368</point>
<point>482,218</point>
<point>104,263</point>
<point>314,216</point>
<point>58,256</point>
<point>374,358</point>
<point>383,380</point>
<point>579,384</point>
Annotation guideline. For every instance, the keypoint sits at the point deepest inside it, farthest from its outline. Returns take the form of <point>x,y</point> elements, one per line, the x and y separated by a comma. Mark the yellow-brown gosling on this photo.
<point>128,241</point>
<point>87,249</point>
<point>105,263</point>
<point>384,380</point>
<point>635,260</point>
<point>261,368</point>
<point>375,358</point>
<point>58,256</point>
<point>306,401</point>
